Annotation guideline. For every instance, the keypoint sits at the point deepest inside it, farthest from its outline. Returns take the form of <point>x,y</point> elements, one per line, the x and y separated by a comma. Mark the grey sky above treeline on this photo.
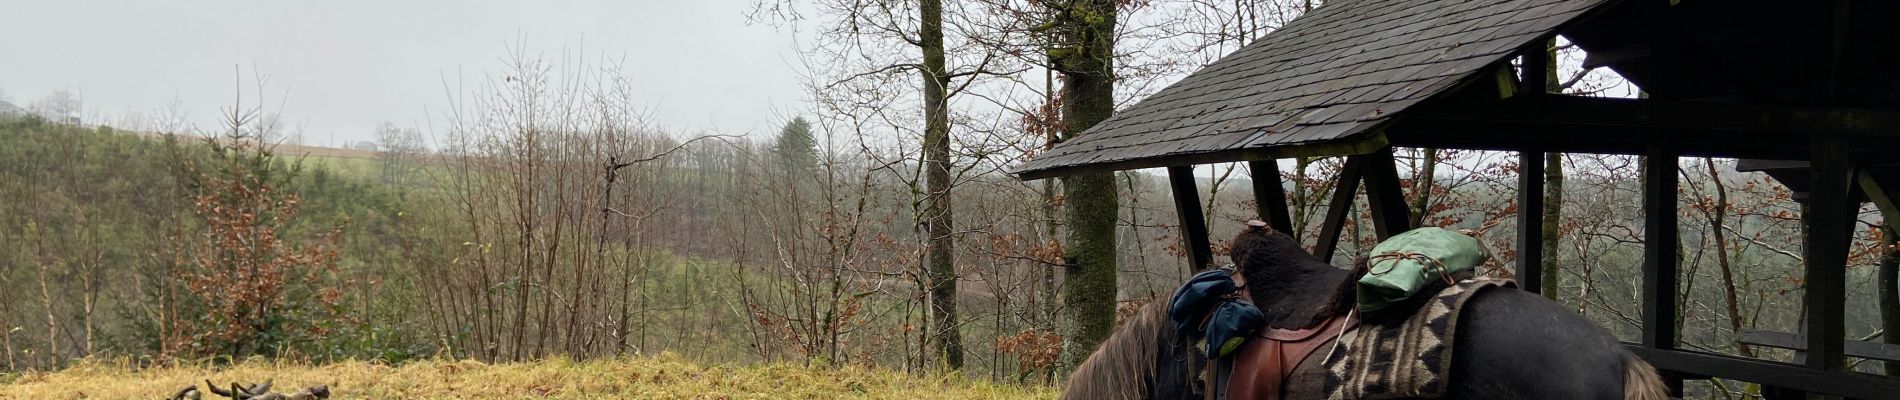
<point>342,67</point>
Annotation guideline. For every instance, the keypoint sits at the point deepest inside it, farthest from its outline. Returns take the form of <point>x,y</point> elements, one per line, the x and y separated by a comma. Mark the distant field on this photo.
<point>663,376</point>
<point>314,151</point>
<point>348,162</point>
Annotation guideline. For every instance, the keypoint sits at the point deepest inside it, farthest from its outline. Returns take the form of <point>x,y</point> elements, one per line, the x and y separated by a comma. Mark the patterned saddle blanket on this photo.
<point>1407,359</point>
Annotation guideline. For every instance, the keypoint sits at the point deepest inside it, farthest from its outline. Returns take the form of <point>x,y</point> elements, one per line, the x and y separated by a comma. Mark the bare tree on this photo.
<point>61,106</point>
<point>876,43</point>
<point>400,151</point>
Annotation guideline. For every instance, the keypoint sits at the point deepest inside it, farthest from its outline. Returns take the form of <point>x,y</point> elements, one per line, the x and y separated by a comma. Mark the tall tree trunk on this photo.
<point>6,308</point>
<point>1051,220</point>
<point>88,301</point>
<point>46,299</point>
<point>1300,201</point>
<point>1422,186</point>
<point>1553,222</point>
<point>1890,293</point>
<point>1084,54</point>
<point>1553,191</point>
<point>1718,216</point>
<point>6,321</point>
<point>937,211</point>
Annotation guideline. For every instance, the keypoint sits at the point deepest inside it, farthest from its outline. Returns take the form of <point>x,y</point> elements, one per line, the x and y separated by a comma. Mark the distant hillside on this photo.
<point>284,149</point>
<point>90,217</point>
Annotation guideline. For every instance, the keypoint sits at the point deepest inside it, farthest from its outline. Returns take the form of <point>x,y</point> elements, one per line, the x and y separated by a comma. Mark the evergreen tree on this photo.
<point>796,150</point>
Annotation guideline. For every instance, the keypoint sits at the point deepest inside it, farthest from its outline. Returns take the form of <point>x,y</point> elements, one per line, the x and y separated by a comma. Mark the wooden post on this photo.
<point>1829,221</point>
<point>1348,185</point>
<point>1530,220</point>
<point>1660,240</point>
<point>1187,204</point>
<point>1534,78</point>
<point>1390,215</point>
<point>1270,196</point>
<point>1829,216</point>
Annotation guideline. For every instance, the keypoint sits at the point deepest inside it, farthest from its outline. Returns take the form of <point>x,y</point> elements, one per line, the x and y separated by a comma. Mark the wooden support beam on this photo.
<point>1534,73</point>
<point>1882,199</point>
<point>1530,176</point>
<point>1466,135</point>
<point>1666,115</point>
<point>1187,205</point>
<point>1613,56</point>
<point>1828,219</point>
<point>1337,209</point>
<point>1768,373</point>
<point>1269,196</point>
<point>1340,147</point>
<point>1660,243</point>
<point>1530,221</point>
<point>1799,343</point>
<point>1629,126</point>
<point>1385,198</point>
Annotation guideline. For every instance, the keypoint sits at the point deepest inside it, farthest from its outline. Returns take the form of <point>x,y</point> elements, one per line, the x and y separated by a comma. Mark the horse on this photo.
<point>1510,344</point>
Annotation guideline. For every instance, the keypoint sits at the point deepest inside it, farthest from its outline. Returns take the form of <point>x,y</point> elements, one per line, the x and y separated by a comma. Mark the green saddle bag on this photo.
<point>1407,262</point>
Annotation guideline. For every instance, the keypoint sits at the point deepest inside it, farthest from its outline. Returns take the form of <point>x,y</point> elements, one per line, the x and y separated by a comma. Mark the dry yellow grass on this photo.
<point>661,377</point>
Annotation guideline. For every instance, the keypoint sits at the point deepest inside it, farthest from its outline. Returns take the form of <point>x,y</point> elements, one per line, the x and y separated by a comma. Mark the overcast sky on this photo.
<point>348,65</point>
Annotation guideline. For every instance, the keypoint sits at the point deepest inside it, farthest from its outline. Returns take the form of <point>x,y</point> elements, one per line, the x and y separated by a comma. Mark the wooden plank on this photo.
<point>1337,209</point>
<point>1798,342</point>
<point>1269,195</point>
<point>1660,241</point>
<point>1187,205</point>
<point>1384,196</point>
<point>1530,220</point>
<point>1703,365</point>
<point>1828,216</point>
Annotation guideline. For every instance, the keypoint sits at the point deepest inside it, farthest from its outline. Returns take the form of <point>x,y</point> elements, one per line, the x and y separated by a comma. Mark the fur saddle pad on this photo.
<point>1406,359</point>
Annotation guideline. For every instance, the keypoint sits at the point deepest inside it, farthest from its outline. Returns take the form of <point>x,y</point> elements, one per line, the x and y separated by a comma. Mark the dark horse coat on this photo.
<point>1511,344</point>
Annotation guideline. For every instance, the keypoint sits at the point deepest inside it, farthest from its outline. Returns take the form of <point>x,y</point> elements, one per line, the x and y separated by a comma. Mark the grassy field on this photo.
<point>665,376</point>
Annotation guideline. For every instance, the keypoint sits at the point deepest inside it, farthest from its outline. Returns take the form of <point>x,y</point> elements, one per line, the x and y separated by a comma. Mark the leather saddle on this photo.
<point>1263,366</point>
<point>1306,303</point>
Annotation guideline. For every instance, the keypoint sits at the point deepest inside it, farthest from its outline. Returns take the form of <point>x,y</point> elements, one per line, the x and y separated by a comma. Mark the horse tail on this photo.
<point>1640,381</point>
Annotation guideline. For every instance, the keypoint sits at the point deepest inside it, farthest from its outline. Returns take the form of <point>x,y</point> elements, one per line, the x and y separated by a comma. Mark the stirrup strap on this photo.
<point>1211,379</point>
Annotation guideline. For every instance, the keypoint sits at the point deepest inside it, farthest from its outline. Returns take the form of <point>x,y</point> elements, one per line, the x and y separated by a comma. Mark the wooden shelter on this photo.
<point>1811,81</point>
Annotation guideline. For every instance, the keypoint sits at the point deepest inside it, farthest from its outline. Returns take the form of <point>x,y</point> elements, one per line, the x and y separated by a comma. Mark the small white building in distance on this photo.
<point>8,111</point>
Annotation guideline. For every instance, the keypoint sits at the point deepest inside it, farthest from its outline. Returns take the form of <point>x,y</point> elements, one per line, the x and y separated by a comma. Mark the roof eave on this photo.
<point>1373,139</point>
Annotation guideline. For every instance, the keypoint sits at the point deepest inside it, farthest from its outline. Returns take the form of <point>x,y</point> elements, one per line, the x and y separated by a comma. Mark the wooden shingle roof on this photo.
<point>1332,74</point>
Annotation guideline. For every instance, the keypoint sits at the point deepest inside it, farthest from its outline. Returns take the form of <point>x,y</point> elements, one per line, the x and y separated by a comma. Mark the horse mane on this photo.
<point>1292,287</point>
<point>1125,365</point>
